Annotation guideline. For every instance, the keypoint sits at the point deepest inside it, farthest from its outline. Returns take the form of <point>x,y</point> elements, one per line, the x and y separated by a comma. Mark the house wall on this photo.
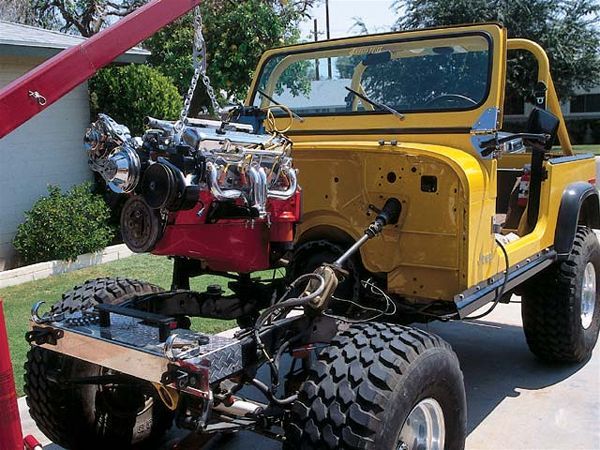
<point>583,115</point>
<point>46,150</point>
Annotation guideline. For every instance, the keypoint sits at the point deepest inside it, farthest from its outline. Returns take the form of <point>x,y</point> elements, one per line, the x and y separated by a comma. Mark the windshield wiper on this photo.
<point>275,102</point>
<point>382,106</point>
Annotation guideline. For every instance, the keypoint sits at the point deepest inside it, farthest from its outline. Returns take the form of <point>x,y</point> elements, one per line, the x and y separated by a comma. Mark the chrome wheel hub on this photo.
<point>588,295</point>
<point>424,428</point>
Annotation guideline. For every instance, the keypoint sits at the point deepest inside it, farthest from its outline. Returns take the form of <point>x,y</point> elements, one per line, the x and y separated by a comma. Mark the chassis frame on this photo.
<point>193,373</point>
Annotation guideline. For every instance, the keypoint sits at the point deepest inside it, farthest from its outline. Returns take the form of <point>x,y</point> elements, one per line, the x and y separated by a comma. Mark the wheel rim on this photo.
<point>588,295</point>
<point>424,428</point>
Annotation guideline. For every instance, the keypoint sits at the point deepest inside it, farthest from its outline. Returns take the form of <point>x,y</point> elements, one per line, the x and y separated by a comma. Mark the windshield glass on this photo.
<point>412,76</point>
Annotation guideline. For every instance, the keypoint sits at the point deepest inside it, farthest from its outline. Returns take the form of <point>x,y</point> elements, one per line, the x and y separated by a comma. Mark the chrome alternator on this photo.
<point>112,153</point>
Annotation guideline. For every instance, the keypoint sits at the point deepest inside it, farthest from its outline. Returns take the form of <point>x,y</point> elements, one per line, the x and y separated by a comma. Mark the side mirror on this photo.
<point>543,122</point>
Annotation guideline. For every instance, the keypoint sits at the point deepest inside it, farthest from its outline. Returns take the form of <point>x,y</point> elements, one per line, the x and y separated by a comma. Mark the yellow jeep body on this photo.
<point>443,247</point>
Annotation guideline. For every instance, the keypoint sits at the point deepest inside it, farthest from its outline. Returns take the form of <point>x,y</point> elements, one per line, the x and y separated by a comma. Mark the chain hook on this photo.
<point>39,98</point>
<point>200,65</point>
<point>46,317</point>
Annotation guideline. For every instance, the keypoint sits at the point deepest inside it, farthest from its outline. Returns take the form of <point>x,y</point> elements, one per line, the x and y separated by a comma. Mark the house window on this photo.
<point>585,103</point>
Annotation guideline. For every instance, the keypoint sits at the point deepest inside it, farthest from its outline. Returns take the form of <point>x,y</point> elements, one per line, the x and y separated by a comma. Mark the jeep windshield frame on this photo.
<point>440,73</point>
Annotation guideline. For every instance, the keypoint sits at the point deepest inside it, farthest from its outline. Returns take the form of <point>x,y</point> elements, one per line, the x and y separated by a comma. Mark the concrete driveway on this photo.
<point>514,401</point>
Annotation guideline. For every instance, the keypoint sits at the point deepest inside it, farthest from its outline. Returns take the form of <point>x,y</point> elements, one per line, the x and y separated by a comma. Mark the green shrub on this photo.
<point>64,225</point>
<point>130,93</point>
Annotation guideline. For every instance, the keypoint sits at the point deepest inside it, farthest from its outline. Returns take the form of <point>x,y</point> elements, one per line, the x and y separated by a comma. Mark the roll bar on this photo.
<point>544,76</point>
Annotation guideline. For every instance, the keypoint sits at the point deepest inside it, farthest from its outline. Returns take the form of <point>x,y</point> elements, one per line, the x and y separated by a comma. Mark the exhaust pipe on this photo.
<point>240,408</point>
<point>258,189</point>
<point>213,183</point>
<point>291,190</point>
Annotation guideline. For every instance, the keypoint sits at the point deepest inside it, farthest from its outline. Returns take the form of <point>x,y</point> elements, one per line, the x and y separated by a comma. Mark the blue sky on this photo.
<point>376,14</point>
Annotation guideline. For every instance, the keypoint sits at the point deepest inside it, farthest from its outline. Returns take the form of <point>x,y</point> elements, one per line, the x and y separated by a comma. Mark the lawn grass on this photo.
<point>19,299</point>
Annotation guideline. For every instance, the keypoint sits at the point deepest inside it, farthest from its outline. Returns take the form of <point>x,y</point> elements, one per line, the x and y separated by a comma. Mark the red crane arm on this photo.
<point>38,89</point>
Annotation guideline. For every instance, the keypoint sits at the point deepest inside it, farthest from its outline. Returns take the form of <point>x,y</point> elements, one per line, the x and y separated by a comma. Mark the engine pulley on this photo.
<point>163,187</point>
<point>141,226</point>
<point>159,186</point>
<point>122,171</point>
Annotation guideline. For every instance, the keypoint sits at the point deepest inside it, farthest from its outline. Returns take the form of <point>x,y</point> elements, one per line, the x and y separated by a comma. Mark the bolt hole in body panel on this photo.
<point>429,183</point>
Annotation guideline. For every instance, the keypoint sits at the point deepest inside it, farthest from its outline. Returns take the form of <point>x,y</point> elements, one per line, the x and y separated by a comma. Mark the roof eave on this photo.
<point>48,52</point>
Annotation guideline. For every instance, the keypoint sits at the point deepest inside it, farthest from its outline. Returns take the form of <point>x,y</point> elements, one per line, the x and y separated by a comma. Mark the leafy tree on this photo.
<point>18,11</point>
<point>296,77</point>
<point>394,82</point>
<point>86,17</point>
<point>236,33</point>
<point>568,30</point>
<point>130,93</point>
<point>345,65</point>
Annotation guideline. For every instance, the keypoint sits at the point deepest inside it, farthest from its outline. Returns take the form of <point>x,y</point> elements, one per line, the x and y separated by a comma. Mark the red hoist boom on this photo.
<point>37,90</point>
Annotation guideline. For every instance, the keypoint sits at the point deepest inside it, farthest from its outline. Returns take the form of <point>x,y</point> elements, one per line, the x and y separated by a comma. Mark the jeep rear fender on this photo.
<point>579,205</point>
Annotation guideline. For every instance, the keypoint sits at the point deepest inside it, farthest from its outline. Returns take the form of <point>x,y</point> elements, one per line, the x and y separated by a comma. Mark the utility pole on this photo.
<point>316,33</point>
<point>328,36</point>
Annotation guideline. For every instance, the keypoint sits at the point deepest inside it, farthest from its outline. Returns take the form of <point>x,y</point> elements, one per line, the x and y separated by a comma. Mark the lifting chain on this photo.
<point>199,62</point>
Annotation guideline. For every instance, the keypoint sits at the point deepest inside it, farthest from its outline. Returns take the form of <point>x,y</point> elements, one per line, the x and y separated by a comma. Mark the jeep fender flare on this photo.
<point>580,205</point>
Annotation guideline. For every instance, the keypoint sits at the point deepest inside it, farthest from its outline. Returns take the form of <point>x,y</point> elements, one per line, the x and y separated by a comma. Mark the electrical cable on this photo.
<point>284,304</point>
<point>286,345</point>
<point>422,311</point>
<point>271,119</point>
<point>270,396</point>
<point>292,302</point>
<point>499,294</point>
<point>375,290</point>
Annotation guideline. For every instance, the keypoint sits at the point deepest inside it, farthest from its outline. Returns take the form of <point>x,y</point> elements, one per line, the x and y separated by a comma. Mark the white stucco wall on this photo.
<point>46,150</point>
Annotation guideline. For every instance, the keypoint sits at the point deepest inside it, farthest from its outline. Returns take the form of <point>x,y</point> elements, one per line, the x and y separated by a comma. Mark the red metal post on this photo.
<point>32,443</point>
<point>11,436</point>
<point>47,83</point>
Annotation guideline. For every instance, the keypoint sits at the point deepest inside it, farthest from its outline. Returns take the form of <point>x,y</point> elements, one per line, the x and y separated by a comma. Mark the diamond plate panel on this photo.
<point>223,354</point>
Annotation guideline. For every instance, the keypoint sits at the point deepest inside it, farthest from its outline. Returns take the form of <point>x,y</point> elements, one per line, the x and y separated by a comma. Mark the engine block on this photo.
<point>206,190</point>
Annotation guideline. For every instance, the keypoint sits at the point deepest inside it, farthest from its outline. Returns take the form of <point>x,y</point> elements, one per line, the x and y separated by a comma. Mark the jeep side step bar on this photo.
<point>485,292</point>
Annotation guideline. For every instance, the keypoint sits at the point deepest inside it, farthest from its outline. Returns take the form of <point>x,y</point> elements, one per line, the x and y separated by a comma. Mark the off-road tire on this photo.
<point>78,417</point>
<point>365,384</point>
<point>551,305</point>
